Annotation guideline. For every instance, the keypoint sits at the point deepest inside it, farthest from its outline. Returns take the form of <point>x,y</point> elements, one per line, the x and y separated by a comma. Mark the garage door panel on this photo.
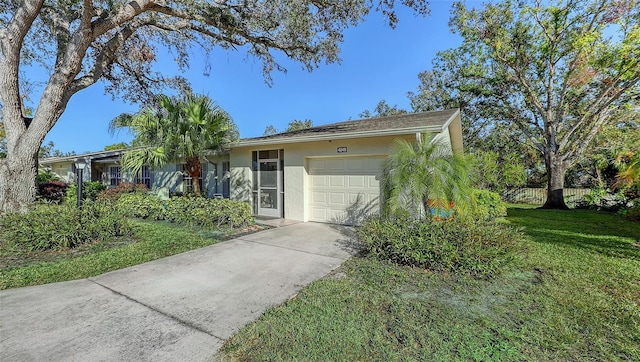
<point>319,197</point>
<point>318,181</point>
<point>344,190</point>
<point>319,213</point>
<point>336,181</point>
<point>337,198</point>
<point>357,181</point>
<point>373,182</point>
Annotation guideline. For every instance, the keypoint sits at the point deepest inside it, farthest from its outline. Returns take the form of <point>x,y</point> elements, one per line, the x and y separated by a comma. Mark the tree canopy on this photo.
<point>297,125</point>
<point>81,43</point>
<point>554,72</point>
<point>382,109</point>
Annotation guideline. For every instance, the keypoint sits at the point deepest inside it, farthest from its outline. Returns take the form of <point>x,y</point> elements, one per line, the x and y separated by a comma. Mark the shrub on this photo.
<point>191,211</point>
<point>601,198</point>
<point>481,249</point>
<point>46,176</point>
<point>200,211</point>
<point>488,205</point>
<point>62,226</point>
<point>123,188</point>
<point>632,213</point>
<point>53,191</point>
<point>90,190</point>
<point>141,205</point>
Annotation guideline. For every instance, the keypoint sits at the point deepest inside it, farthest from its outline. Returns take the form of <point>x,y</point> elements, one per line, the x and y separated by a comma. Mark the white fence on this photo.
<point>537,196</point>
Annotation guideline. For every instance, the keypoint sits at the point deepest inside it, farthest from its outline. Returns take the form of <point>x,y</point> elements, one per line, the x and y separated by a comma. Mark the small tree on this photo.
<point>185,127</point>
<point>417,174</point>
<point>297,125</point>
<point>269,130</point>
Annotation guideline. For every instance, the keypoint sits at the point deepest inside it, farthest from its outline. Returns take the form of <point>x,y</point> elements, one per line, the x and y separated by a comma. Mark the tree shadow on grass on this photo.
<point>598,232</point>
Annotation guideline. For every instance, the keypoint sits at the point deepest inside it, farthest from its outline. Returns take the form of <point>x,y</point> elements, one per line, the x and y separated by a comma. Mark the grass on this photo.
<point>577,297</point>
<point>152,240</point>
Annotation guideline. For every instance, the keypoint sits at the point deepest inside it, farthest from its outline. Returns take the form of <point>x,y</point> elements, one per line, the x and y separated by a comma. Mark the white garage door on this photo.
<point>344,190</point>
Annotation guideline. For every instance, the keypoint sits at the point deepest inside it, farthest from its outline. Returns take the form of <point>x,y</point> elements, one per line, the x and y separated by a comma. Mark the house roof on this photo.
<point>90,156</point>
<point>402,124</point>
<point>435,121</point>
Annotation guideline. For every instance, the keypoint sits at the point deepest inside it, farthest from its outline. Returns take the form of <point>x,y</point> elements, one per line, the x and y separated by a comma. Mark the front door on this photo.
<point>269,202</point>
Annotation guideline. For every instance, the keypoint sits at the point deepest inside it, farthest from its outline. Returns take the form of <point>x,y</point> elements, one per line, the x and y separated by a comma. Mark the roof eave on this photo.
<point>337,136</point>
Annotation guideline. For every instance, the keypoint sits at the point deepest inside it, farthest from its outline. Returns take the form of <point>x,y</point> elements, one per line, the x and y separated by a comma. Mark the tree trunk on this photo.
<point>192,164</point>
<point>18,181</point>
<point>556,170</point>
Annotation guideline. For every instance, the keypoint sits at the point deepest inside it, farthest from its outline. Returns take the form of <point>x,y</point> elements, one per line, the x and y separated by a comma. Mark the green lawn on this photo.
<point>577,297</point>
<point>152,240</point>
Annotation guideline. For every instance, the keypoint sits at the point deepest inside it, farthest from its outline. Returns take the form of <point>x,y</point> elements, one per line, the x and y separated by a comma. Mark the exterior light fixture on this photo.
<point>81,164</point>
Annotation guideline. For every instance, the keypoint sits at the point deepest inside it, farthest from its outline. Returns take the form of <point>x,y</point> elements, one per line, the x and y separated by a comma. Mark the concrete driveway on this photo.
<point>179,308</point>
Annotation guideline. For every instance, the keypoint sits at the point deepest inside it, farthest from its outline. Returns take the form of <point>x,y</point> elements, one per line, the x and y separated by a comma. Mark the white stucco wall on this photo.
<point>63,170</point>
<point>296,177</point>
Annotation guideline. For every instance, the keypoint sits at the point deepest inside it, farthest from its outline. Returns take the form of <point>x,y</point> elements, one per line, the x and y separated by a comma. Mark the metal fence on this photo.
<point>537,196</point>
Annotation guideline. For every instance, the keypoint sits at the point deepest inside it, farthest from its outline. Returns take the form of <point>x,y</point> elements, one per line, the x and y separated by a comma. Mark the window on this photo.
<point>187,181</point>
<point>144,177</point>
<point>115,175</point>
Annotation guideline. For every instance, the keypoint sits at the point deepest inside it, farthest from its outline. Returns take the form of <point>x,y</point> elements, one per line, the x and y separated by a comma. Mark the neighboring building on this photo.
<point>104,166</point>
<point>328,173</point>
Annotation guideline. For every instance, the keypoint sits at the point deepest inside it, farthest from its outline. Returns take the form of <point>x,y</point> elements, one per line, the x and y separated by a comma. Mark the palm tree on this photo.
<point>422,175</point>
<point>186,127</point>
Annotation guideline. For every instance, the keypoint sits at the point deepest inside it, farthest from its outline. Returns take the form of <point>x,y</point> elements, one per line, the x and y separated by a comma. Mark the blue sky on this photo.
<point>377,63</point>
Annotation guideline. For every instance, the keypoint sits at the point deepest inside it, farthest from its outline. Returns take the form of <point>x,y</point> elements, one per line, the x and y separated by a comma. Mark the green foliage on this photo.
<point>601,198</point>
<point>628,177</point>
<point>464,246</point>
<point>176,128</point>
<point>141,205</point>
<point>200,211</point>
<point>45,176</point>
<point>632,213</point>
<point>116,146</point>
<point>90,190</point>
<point>488,205</point>
<point>499,171</point>
<point>422,173</point>
<point>62,226</point>
<point>382,109</point>
<point>270,130</point>
<point>151,241</point>
<point>297,125</point>
<point>601,162</point>
<point>575,297</point>
<point>190,211</point>
<point>525,67</point>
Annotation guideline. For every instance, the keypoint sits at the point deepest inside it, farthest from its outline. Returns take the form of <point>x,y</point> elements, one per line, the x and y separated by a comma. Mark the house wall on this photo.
<point>170,176</point>
<point>296,176</point>
<point>64,170</point>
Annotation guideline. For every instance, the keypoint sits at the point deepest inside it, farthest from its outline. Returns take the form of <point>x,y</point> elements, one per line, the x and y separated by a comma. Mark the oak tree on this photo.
<point>80,43</point>
<point>557,70</point>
